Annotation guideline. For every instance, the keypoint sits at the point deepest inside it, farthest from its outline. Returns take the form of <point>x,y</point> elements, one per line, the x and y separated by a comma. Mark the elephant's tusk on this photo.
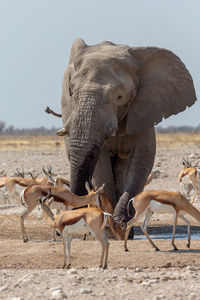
<point>122,155</point>
<point>114,133</point>
<point>62,131</point>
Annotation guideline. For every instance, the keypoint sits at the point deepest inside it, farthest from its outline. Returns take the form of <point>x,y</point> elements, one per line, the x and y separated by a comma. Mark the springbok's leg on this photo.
<point>10,187</point>
<point>183,191</point>
<point>195,194</point>
<point>24,214</point>
<point>101,239</point>
<point>66,241</point>
<point>11,196</point>
<point>144,228</point>
<point>128,228</point>
<point>188,228</point>
<point>64,236</point>
<point>6,195</point>
<point>47,210</point>
<point>107,248</point>
<point>174,229</point>
<point>69,239</point>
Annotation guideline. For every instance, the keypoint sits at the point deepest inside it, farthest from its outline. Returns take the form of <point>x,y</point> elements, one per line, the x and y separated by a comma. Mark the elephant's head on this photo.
<point>113,89</point>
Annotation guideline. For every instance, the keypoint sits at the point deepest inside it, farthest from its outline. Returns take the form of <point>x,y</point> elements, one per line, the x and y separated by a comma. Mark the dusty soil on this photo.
<point>33,270</point>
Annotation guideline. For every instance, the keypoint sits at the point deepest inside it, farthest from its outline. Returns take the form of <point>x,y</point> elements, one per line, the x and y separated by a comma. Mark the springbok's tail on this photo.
<point>23,199</point>
<point>105,219</point>
<point>109,218</point>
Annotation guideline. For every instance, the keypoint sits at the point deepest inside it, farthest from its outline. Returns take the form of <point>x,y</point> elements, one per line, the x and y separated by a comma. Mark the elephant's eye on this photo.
<point>120,97</point>
<point>70,91</point>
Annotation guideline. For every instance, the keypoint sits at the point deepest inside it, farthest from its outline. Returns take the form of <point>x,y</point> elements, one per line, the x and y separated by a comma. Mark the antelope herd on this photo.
<point>42,192</point>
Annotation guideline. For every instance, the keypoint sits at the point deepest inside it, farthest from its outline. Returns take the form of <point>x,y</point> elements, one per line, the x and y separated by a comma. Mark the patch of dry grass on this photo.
<point>55,142</point>
<point>31,143</point>
<point>177,139</point>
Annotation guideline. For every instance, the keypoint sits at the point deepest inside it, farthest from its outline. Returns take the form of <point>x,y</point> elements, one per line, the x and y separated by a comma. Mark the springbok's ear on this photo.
<point>44,171</point>
<point>100,189</point>
<point>165,88</point>
<point>87,186</point>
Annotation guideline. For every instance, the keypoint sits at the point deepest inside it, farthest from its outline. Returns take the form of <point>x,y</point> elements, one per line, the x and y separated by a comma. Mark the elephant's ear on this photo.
<point>77,45</point>
<point>67,104</point>
<point>165,88</point>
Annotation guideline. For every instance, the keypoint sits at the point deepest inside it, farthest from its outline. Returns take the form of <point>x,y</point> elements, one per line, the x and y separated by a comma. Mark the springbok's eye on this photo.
<point>120,97</point>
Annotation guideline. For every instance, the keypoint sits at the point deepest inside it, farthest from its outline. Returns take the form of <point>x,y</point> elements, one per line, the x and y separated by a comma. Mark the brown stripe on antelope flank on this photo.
<point>58,199</point>
<point>72,220</point>
<point>165,202</point>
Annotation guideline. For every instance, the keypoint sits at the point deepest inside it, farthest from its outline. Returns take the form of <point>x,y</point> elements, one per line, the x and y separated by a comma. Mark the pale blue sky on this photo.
<point>36,37</point>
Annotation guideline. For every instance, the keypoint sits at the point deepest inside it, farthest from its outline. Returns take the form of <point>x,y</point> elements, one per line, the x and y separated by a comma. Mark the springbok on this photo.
<point>62,182</point>
<point>148,202</point>
<point>29,198</point>
<point>189,179</point>
<point>80,221</point>
<point>10,182</point>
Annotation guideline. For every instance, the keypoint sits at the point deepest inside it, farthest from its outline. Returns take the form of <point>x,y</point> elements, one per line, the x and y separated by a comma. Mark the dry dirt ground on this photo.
<point>33,270</point>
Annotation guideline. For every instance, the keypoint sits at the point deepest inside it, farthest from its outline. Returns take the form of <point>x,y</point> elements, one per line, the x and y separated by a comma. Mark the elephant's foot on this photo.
<point>121,222</point>
<point>124,212</point>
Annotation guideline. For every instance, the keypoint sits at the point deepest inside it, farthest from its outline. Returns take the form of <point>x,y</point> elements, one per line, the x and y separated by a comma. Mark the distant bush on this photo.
<point>2,125</point>
<point>175,129</point>
<point>12,131</point>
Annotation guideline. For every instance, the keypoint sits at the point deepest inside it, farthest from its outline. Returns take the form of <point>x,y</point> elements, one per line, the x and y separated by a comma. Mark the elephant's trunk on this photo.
<point>88,127</point>
<point>82,167</point>
<point>85,144</point>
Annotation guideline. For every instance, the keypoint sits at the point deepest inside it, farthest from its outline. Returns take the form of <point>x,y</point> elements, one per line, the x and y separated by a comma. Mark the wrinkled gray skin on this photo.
<point>113,95</point>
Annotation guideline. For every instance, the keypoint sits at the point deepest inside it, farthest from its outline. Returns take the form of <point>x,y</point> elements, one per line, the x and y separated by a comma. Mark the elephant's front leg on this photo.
<point>103,173</point>
<point>141,161</point>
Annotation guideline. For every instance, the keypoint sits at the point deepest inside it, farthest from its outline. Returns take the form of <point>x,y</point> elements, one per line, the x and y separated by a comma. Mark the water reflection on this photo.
<point>167,236</point>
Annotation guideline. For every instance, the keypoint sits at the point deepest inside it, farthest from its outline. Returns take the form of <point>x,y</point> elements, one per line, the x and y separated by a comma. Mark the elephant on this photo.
<point>112,96</point>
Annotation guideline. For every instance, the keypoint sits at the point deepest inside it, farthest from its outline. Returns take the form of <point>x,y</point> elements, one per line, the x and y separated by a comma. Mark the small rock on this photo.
<point>192,296</point>
<point>153,281</point>
<point>191,268</point>
<point>159,297</point>
<point>75,283</point>
<point>85,291</point>
<point>138,270</point>
<point>90,283</point>
<point>72,271</point>
<point>167,265</point>
<point>3,288</point>
<point>145,284</point>
<point>57,293</point>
